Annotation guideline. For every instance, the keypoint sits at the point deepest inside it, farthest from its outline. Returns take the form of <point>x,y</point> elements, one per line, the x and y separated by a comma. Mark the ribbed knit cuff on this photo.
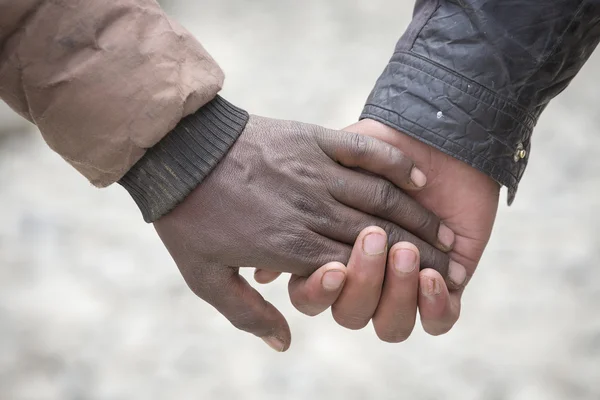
<point>177,164</point>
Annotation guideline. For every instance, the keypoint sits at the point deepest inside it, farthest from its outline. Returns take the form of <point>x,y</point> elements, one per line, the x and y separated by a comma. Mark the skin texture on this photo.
<point>288,198</point>
<point>465,199</point>
<point>388,296</point>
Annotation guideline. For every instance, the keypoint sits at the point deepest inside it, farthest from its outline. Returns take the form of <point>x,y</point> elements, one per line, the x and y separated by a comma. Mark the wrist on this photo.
<point>177,164</point>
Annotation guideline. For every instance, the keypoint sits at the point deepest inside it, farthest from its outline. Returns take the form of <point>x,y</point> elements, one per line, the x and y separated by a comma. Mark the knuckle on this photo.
<point>303,204</point>
<point>284,241</point>
<point>336,185</point>
<point>358,145</point>
<point>400,161</point>
<point>427,223</point>
<point>394,156</point>
<point>319,132</point>
<point>329,220</point>
<point>305,211</point>
<point>385,199</point>
<point>303,169</point>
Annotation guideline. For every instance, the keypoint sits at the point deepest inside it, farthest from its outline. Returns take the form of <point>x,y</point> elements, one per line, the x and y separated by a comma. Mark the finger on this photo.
<point>264,276</point>
<point>315,294</point>
<point>396,313</point>
<point>359,298</point>
<point>345,229</point>
<point>373,155</point>
<point>312,252</point>
<point>376,196</point>
<point>303,256</point>
<point>240,303</point>
<point>439,310</point>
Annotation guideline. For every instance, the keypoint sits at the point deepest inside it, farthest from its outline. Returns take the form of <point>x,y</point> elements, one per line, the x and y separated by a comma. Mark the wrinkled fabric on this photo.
<point>472,77</point>
<point>103,80</point>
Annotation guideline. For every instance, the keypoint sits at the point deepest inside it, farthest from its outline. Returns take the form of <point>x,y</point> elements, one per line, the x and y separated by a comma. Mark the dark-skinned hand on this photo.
<point>465,199</point>
<point>288,198</point>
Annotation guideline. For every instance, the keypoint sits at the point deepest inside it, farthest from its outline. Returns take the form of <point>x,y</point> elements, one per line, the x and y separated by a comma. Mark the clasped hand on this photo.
<point>294,198</point>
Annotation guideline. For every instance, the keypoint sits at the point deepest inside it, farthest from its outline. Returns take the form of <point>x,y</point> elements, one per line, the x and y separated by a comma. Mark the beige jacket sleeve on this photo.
<point>104,80</point>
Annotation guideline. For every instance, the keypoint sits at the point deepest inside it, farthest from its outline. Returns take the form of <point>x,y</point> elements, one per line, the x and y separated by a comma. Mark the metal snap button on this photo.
<point>521,153</point>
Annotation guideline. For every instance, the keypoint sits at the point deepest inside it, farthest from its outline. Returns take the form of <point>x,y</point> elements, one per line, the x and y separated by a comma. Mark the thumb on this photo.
<point>228,292</point>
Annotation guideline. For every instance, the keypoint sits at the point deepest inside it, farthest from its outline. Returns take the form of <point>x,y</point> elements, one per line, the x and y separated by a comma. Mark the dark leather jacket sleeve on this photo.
<point>472,77</point>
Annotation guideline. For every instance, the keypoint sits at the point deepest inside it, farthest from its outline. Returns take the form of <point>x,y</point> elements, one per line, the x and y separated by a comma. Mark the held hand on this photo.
<point>388,296</point>
<point>281,201</point>
<point>465,199</point>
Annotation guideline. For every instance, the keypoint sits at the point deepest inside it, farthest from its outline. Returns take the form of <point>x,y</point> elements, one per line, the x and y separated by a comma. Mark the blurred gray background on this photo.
<point>92,307</point>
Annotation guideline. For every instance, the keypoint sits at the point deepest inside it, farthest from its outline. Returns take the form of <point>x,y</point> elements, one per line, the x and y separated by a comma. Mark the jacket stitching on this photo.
<point>525,127</point>
<point>495,95</point>
<point>499,97</point>
<point>496,166</point>
<point>499,174</point>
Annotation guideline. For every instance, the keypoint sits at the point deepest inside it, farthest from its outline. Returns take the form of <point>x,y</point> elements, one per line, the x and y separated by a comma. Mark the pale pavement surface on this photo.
<point>92,307</point>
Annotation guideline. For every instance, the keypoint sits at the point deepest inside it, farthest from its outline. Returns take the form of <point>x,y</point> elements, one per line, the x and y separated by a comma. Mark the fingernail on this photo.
<point>332,280</point>
<point>457,273</point>
<point>430,288</point>
<point>446,236</point>
<point>374,244</point>
<point>405,261</point>
<point>417,177</point>
<point>274,343</point>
